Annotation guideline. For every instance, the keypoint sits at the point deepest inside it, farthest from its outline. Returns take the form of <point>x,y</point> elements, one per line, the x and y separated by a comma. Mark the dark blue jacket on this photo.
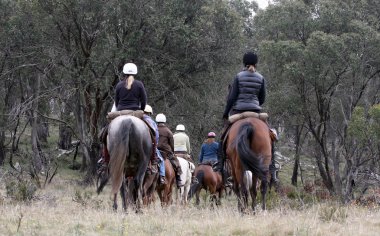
<point>209,152</point>
<point>247,93</point>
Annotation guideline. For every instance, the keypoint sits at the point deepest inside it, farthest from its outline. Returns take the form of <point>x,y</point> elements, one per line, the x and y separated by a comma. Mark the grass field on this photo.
<point>65,208</point>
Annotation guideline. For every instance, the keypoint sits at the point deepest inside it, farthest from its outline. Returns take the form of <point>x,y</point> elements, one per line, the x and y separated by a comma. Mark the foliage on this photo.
<point>321,59</point>
<point>20,188</point>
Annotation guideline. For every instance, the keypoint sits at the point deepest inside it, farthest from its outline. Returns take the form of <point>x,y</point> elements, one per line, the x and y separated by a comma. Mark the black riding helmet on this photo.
<point>250,58</point>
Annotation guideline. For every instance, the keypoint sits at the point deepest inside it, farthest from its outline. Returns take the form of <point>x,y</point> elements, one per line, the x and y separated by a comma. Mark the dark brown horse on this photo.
<point>165,191</point>
<point>209,180</point>
<point>248,147</point>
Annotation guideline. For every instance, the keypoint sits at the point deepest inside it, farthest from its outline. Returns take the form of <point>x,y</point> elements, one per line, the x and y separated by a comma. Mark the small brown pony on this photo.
<point>165,191</point>
<point>209,180</point>
<point>248,147</point>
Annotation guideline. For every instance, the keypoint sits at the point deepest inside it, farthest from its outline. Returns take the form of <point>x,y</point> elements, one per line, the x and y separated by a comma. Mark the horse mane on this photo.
<point>250,160</point>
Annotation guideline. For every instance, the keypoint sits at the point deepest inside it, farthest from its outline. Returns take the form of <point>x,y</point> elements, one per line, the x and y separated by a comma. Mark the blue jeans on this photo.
<point>153,125</point>
<point>161,164</point>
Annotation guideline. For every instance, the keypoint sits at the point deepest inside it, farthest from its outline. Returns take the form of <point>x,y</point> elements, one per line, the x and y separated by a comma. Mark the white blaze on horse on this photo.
<point>187,170</point>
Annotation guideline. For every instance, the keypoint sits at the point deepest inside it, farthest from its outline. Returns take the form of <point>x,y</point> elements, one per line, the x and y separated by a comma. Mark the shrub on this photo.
<point>333,212</point>
<point>20,189</point>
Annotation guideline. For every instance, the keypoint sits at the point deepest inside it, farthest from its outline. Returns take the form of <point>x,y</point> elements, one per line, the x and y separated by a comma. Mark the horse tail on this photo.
<point>119,150</point>
<point>196,186</point>
<point>249,159</point>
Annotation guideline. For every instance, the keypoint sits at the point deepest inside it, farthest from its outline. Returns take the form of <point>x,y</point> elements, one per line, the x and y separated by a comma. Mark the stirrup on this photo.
<point>162,180</point>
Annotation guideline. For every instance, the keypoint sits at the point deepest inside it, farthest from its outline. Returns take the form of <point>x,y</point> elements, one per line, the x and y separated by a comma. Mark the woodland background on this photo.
<point>60,61</point>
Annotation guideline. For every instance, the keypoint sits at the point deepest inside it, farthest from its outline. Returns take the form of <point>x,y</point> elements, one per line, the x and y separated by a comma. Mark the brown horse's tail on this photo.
<point>197,185</point>
<point>250,160</point>
<point>119,150</point>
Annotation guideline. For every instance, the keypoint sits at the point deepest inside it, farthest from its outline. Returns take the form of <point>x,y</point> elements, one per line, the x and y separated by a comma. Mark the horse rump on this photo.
<point>250,160</point>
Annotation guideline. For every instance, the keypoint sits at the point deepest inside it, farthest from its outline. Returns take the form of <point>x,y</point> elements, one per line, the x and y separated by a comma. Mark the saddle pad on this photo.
<point>114,114</point>
<point>262,116</point>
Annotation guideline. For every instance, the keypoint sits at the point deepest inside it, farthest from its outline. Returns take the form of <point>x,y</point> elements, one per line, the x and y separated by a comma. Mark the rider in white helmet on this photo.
<point>148,112</point>
<point>181,141</point>
<point>130,94</point>
<point>166,146</point>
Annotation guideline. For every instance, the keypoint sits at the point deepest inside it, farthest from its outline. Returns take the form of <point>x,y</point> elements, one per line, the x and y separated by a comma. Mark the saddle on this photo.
<point>262,116</point>
<point>139,114</point>
<point>185,156</point>
<point>233,118</point>
<point>112,115</point>
<point>214,165</point>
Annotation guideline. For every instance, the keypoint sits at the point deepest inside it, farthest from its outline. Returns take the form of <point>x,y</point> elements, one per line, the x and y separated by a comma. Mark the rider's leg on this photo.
<point>177,168</point>
<point>161,167</point>
<point>151,123</point>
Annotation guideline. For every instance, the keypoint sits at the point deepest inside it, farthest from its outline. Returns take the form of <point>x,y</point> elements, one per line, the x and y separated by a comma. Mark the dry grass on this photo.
<point>64,208</point>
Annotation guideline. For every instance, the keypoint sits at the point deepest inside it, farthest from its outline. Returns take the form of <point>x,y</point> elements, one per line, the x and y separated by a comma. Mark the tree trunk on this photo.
<point>336,165</point>
<point>2,147</point>
<point>36,147</point>
<point>322,171</point>
<point>297,156</point>
<point>42,130</point>
<point>65,137</point>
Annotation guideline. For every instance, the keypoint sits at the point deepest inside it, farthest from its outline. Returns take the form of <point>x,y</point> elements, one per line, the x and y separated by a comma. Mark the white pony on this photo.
<point>187,170</point>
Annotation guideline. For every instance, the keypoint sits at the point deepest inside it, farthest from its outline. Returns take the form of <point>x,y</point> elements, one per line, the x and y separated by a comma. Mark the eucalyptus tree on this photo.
<point>182,49</point>
<point>328,53</point>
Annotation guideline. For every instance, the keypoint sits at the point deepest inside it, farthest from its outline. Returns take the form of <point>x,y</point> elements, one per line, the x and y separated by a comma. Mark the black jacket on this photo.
<point>247,93</point>
<point>133,99</point>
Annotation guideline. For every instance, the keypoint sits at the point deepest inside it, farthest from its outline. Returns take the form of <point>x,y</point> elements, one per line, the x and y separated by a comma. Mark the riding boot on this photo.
<point>222,149</point>
<point>106,155</point>
<point>162,180</point>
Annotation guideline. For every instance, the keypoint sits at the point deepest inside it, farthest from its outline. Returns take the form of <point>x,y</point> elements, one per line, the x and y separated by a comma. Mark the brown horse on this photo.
<point>248,147</point>
<point>209,180</point>
<point>150,183</point>
<point>165,191</point>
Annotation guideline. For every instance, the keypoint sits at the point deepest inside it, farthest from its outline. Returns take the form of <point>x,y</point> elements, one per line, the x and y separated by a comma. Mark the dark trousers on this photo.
<point>175,163</point>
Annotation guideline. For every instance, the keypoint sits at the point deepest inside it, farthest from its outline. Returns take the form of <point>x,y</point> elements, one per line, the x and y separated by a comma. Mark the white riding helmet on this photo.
<point>180,128</point>
<point>148,109</point>
<point>130,69</point>
<point>161,118</point>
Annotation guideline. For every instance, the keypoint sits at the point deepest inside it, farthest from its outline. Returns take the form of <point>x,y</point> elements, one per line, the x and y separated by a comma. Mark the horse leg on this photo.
<point>236,188</point>
<point>197,201</point>
<point>114,202</point>
<point>138,193</point>
<point>264,188</point>
<point>253,191</point>
<point>244,190</point>
<point>212,200</point>
<point>219,200</point>
<point>123,197</point>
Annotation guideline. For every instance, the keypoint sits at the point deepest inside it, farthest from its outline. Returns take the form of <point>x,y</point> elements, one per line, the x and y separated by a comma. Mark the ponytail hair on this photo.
<point>251,68</point>
<point>129,81</point>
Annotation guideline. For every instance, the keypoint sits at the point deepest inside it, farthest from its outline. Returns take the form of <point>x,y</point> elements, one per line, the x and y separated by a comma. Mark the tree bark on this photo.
<point>65,137</point>
<point>2,147</point>
<point>297,156</point>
